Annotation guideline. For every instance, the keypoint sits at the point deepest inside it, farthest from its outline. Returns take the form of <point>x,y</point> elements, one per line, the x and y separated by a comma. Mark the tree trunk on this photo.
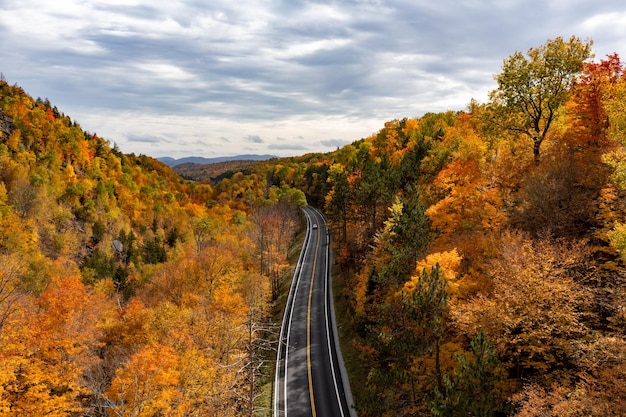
<point>536,146</point>
<point>438,366</point>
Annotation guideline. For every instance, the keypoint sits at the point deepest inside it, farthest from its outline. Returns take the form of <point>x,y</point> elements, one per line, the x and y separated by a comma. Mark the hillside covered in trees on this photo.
<point>479,254</point>
<point>125,290</point>
<point>482,250</point>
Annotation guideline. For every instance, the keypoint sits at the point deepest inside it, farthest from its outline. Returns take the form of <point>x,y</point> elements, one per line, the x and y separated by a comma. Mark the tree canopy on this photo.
<point>532,88</point>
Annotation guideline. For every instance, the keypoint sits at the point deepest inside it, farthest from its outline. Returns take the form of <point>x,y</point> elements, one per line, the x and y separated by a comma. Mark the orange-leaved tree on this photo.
<point>590,120</point>
<point>146,385</point>
<point>60,341</point>
<point>529,278</point>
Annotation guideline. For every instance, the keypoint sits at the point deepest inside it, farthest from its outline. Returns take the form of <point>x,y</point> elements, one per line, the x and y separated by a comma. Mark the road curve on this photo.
<point>310,376</point>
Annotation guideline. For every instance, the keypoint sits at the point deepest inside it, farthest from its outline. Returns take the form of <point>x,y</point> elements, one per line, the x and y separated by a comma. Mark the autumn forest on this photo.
<point>479,259</point>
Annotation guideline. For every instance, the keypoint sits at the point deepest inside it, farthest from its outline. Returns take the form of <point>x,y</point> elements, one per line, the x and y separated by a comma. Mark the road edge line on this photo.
<point>342,365</point>
<point>290,297</point>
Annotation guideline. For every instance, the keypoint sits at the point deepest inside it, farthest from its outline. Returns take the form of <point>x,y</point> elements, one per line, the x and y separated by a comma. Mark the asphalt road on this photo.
<point>310,376</point>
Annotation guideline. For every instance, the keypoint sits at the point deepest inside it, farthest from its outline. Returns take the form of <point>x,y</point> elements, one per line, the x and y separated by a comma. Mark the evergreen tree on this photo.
<point>471,390</point>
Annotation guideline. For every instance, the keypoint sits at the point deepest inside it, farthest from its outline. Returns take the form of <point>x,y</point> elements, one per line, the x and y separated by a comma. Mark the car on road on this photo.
<point>314,225</point>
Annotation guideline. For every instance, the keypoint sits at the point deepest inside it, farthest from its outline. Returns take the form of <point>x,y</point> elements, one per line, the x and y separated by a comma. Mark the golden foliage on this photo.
<point>146,385</point>
<point>448,262</point>
<point>468,203</point>
<point>528,279</point>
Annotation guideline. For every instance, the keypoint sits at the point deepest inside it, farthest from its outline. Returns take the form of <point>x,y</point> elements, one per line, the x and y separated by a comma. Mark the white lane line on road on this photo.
<point>332,365</point>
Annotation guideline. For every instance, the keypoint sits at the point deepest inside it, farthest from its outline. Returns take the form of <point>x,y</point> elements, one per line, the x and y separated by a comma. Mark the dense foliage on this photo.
<point>125,290</point>
<point>486,278</point>
<point>480,255</point>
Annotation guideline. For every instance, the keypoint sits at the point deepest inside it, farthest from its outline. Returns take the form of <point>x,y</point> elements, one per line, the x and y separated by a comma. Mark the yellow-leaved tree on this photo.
<point>146,385</point>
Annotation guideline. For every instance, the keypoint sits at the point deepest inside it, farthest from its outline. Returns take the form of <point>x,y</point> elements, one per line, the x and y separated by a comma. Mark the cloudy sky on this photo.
<point>284,77</point>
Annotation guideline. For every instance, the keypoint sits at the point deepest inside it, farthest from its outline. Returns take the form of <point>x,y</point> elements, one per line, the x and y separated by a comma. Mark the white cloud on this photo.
<point>206,77</point>
<point>612,23</point>
<point>164,71</point>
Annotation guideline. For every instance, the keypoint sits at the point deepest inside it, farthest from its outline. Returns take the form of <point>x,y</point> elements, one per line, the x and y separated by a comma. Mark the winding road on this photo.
<point>310,376</point>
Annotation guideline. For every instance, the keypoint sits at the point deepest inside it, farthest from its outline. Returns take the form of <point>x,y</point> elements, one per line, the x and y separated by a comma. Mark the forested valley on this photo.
<point>479,259</point>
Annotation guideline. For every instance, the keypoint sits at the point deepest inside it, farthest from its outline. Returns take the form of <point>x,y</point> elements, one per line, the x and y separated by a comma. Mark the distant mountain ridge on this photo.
<point>172,162</point>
